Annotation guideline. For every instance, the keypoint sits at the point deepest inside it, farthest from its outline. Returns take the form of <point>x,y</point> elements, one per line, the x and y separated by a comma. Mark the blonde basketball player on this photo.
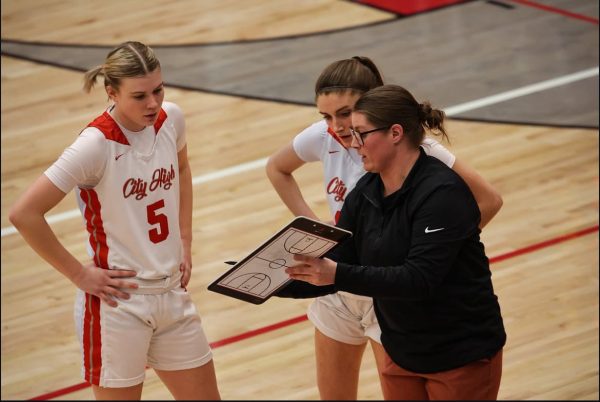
<point>345,322</point>
<point>132,178</point>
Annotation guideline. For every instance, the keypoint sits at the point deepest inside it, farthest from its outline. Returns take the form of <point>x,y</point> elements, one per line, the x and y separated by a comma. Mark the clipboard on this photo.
<point>261,273</point>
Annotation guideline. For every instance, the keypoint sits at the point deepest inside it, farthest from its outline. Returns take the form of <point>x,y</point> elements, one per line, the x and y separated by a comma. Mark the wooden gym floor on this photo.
<point>518,78</point>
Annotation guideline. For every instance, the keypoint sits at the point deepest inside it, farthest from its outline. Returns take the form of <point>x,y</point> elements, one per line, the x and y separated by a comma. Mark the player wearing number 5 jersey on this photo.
<point>132,178</point>
<point>125,178</point>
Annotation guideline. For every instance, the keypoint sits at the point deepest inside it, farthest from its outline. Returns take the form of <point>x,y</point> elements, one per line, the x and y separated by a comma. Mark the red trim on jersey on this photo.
<point>111,130</point>
<point>336,218</point>
<point>109,127</point>
<point>162,116</point>
<point>95,227</point>
<point>335,137</point>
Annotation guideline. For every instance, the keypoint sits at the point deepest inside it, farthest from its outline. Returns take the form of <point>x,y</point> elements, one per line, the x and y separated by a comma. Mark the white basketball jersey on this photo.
<point>343,167</point>
<point>132,214</point>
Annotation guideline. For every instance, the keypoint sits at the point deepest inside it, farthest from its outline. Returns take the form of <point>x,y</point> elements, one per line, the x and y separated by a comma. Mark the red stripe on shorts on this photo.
<point>92,341</point>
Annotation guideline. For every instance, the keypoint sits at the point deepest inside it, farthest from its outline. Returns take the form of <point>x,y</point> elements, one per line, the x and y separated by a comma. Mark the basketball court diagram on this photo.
<point>264,271</point>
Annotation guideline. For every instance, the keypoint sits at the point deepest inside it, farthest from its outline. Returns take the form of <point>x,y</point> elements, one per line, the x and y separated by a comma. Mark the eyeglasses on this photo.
<point>360,137</point>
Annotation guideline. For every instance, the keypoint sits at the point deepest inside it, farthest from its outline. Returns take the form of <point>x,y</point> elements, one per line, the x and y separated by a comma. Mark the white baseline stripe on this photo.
<point>526,90</point>
<point>230,171</point>
<point>450,111</point>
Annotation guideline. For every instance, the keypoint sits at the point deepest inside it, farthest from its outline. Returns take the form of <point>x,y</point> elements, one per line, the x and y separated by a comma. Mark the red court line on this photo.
<point>259,331</point>
<point>544,244</point>
<point>558,11</point>
<point>295,320</point>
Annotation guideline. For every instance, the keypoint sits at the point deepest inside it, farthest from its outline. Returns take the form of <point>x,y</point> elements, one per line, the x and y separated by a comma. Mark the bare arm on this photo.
<point>185,214</point>
<point>279,171</point>
<point>27,215</point>
<point>488,199</point>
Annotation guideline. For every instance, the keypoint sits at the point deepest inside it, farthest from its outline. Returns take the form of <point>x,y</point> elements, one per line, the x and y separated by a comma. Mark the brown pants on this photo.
<point>477,380</point>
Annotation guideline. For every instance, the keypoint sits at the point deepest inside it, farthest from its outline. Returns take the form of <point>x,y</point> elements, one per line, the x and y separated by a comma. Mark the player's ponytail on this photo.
<point>90,76</point>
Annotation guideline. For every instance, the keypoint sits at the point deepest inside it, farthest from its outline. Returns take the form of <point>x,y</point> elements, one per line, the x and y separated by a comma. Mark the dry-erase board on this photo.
<point>260,274</point>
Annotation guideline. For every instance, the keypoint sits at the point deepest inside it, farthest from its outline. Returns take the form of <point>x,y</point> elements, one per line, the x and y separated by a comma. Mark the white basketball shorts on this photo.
<point>345,317</point>
<point>162,331</point>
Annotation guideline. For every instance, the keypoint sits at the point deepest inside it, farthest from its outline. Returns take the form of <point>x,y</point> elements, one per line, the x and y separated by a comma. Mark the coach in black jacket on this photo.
<point>416,251</point>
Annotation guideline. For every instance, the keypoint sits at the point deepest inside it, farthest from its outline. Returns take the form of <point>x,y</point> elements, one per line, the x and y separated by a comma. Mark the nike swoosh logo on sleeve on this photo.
<point>427,230</point>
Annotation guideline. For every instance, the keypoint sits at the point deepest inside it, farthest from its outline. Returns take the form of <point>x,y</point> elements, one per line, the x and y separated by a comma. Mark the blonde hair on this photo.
<point>129,59</point>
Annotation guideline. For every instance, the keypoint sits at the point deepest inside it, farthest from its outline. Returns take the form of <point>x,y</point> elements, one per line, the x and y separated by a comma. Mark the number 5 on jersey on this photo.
<point>159,234</point>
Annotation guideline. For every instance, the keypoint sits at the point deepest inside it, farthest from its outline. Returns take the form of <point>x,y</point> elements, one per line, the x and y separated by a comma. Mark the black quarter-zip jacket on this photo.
<point>417,252</point>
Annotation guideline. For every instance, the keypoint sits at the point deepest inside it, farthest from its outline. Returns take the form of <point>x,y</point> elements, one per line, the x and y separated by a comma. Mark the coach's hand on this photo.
<point>317,271</point>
